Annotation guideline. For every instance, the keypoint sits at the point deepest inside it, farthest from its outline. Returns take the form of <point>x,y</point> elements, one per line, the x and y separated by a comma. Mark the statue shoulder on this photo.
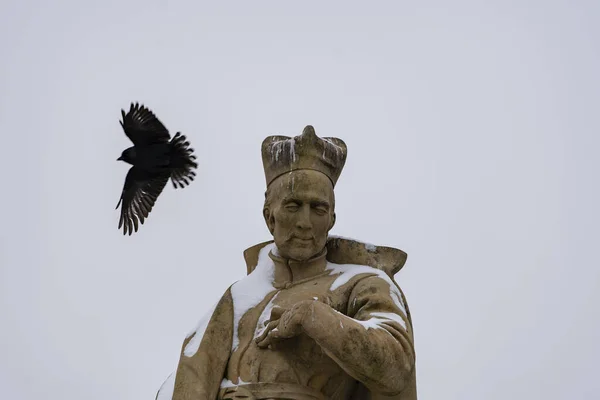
<point>342,250</point>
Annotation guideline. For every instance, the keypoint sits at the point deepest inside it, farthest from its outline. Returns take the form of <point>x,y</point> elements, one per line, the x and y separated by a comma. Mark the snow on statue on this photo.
<point>317,316</point>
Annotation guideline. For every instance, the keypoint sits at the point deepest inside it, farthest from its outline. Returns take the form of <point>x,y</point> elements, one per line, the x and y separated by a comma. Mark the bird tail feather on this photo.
<point>182,161</point>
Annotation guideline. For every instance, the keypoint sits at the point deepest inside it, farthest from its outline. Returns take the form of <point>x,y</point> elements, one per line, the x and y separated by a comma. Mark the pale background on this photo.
<point>473,133</point>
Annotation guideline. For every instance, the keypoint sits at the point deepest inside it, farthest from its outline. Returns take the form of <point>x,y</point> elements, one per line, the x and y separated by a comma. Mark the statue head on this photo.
<point>301,173</point>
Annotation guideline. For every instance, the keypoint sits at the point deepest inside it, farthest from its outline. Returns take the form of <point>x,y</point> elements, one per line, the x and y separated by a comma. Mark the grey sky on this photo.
<point>472,132</point>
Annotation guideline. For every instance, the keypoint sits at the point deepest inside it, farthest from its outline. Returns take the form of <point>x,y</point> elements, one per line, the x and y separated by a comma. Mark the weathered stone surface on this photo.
<point>317,317</point>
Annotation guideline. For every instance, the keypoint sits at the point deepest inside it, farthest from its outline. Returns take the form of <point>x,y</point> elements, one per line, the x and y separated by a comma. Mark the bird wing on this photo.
<point>139,194</point>
<point>142,127</point>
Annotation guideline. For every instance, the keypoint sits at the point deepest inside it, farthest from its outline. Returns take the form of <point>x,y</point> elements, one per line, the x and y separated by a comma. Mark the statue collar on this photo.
<point>340,250</point>
<point>288,271</point>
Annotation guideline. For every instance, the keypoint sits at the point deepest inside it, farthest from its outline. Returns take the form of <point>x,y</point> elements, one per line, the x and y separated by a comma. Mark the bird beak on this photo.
<point>120,158</point>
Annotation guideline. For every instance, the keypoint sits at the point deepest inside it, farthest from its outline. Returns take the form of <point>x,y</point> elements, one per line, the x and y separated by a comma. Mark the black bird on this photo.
<point>154,158</point>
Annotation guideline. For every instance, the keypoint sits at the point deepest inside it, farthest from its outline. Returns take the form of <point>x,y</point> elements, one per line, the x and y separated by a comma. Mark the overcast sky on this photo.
<point>473,139</point>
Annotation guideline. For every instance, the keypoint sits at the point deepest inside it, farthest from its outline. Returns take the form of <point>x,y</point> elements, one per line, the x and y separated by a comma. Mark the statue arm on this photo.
<point>374,343</point>
<point>202,364</point>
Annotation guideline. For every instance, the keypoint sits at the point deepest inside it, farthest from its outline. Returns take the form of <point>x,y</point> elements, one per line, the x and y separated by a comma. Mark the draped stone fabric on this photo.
<point>359,346</point>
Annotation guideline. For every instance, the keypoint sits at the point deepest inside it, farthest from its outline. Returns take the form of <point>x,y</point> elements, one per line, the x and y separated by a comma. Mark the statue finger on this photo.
<point>276,313</point>
<point>264,342</point>
<point>270,326</point>
<point>271,338</point>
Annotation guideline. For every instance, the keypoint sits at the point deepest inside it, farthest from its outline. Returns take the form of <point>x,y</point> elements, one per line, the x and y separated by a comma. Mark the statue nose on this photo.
<point>303,221</point>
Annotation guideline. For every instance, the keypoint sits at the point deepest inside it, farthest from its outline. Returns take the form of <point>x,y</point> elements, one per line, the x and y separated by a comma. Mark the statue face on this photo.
<point>300,213</point>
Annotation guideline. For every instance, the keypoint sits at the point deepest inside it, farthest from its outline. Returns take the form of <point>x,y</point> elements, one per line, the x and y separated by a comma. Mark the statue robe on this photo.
<point>362,344</point>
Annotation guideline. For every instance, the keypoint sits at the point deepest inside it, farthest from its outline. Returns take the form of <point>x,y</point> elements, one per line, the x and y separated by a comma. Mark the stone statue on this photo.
<point>317,317</point>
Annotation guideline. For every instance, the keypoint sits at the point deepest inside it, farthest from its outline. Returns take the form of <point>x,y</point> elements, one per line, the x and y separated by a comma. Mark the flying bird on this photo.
<point>155,158</point>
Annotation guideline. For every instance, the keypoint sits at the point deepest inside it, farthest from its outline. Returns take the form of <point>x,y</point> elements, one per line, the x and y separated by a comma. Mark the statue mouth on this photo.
<point>301,239</point>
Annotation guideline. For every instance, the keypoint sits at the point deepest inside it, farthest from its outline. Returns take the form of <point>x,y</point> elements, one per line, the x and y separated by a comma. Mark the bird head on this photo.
<point>128,155</point>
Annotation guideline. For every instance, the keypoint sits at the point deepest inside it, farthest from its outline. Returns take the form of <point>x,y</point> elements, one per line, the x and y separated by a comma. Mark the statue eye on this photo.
<point>292,207</point>
<point>320,210</point>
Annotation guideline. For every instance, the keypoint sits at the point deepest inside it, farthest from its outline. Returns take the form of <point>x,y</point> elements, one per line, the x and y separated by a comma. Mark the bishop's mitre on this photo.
<point>284,154</point>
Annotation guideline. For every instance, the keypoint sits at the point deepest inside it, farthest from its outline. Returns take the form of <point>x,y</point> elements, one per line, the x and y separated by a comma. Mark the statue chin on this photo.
<point>298,254</point>
<point>299,250</point>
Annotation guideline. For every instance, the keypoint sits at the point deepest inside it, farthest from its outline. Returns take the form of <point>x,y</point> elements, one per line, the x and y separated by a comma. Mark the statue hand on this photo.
<point>284,324</point>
